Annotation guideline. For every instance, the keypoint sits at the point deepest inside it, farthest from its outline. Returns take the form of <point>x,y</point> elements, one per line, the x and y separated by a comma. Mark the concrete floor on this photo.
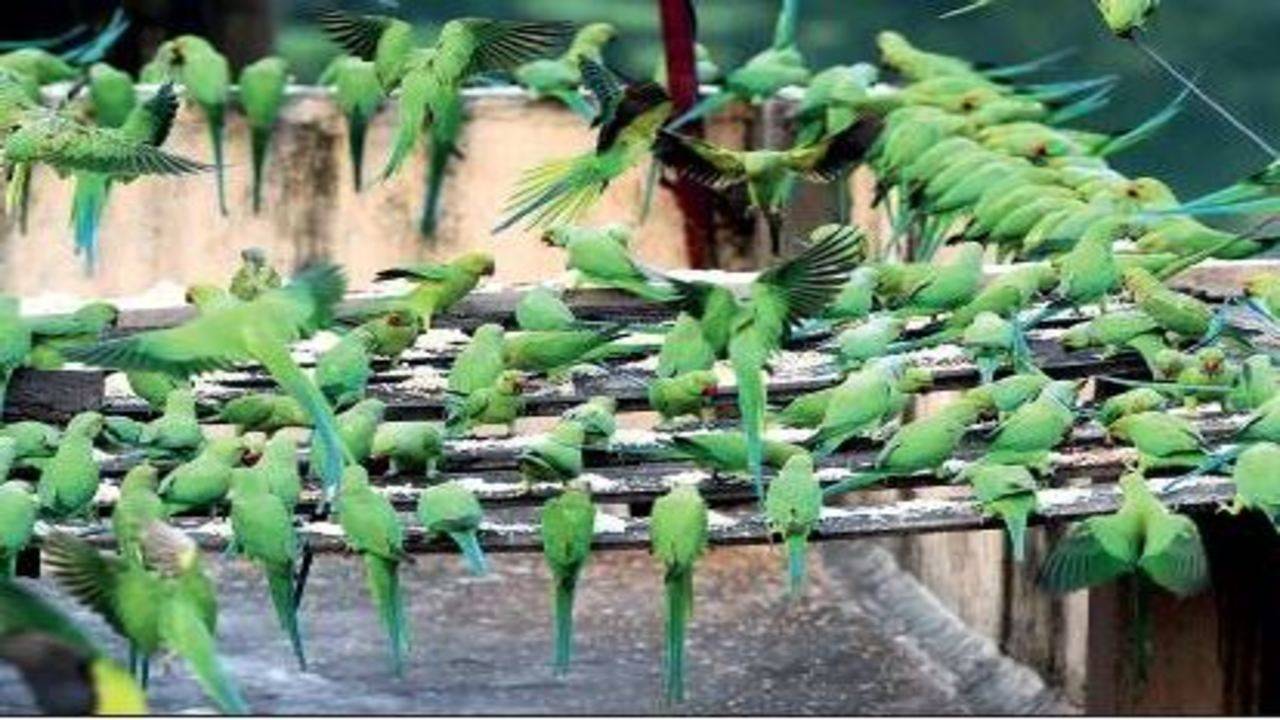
<point>482,644</point>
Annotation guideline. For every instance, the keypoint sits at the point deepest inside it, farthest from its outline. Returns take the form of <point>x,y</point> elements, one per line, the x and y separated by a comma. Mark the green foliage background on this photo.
<point>1230,43</point>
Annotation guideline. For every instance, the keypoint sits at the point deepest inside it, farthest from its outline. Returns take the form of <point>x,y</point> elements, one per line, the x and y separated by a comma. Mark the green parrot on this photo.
<point>264,412</point>
<point>255,276</point>
<point>1007,492</point>
<point>343,371</point>
<point>950,283</point>
<point>373,530</point>
<point>15,342</point>
<point>206,75</point>
<point>805,411</point>
<point>598,417</point>
<point>1132,402</point>
<point>726,452</point>
<point>989,341</point>
<point>1008,394</point>
<point>567,525</point>
<point>138,506</point>
<point>541,308</point>
<point>259,330</point>
<point>41,66</point>
<point>779,298</point>
<point>1162,440</point>
<point>204,481</point>
<point>678,534</point>
<point>1125,17</point>
<point>263,531</point>
<point>602,257</point>
<point>437,286</point>
<point>111,98</point>
<point>1256,384</point>
<point>856,298</point>
<point>867,340</point>
<point>859,405</point>
<point>154,387</point>
<point>1110,330</point>
<point>66,672</point>
<point>1031,432</point>
<point>1256,481</point>
<point>767,174</point>
<point>393,332</point>
<point>555,352</point>
<point>359,95</point>
<point>1174,311</point>
<point>559,78</point>
<point>51,337</point>
<point>792,508</point>
<point>69,480</point>
<point>177,432</point>
<point>1142,538</point>
<point>681,395</point>
<point>19,509</point>
<point>262,85</point>
<point>357,426</point>
<point>499,403</point>
<point>277,465</point>
<point>561,191</point>
<point>32,439</point>
<point>555,457</point>
<point>685,349</point>
<point>431,79</point>
<point>410,447</point>
<point>451,509</point>
<point>472,378</point>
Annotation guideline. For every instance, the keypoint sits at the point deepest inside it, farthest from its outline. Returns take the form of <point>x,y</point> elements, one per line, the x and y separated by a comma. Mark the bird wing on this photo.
<point>698,160</point>
<point>805,284</point>
<point>604,86</point>
<point>207,343</point>
<point>423,271</point>
<point>825,160</point>
<point>503,45</point>
<point>357,34</point>
<point>1173,555</point>
<point>84,573</point>
<point>1080,560</point>
<point>636,100</point>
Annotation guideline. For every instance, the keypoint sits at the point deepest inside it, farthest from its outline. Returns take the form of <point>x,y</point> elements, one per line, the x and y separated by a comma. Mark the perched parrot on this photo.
<point>357,426</point>
<point>1257,480</point>
<point>685,349</point>
<point>66,672</point>
<point>1031,432</point>
<point>1007,492</point>
<point>1132,402</point>
<point>726,452</point>
<point>542,309</point>
<point>263,531</point>
<point>410,447</point>
<point>792,507</point>
<point>438,287</point>
<point>32,439</point>
<point>556,352</point>
<point>359,95</point>
<point>568,525</point>
<point>373,530</point>
<point>561,191</point>
<point>259,330</point>
<point>19,509</point>
<point>204,481</point>
<point>678,533</point>
<point>559,78</point>
<point>154,387</point>
<point>1162,440</point>
<point>177,431</point>
<point>264,412</point>
<point>206,75</point>
<point>601,257</point>
<point>472,379</point>
<point>255,275</point>
<point>262,85</point>
<point>343,371</point>
<point>757,328</point>
<point>138,506</point>
<point>859,405</point>
<point>52,336</point>
<point>598,417</point>
<point>555,457</point>
<point>451,509</point>
<point>278,467</point>
<point>767,173</point>
<point>1142,538</point>
<point>1172,310</point>
<point>69,480</point>
<point>867,340</point>
<point>1256,385</point>
<point>681,395</point>
<point>498,403</point>
<point>990,341</point>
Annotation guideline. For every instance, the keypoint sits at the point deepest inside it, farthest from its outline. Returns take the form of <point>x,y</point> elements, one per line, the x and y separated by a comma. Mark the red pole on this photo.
<point>679,29</point>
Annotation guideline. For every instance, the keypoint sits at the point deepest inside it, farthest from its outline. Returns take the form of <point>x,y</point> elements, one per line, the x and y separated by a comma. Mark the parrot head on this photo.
<point>478,264</point>
<point>89,424</point>
<point>141,477</point>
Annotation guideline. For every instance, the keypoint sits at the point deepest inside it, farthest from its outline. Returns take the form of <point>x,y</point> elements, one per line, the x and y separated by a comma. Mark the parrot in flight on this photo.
<point>559,78</point>
<point>260,330</point>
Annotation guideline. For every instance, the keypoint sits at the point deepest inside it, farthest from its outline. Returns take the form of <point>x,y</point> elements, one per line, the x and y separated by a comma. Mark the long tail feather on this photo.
<point>384,585</point>
<point>215,117</point>
<point>797,561</point>
<point>705,107</point>
<point>784,32</point>
<point>1086,105</point>
<point>329,454</point>
<point>87,204</point>
<point>679,608</point>
<point>752,401</point>
<point>1008,72</point>
<point>280,582</point>
<point>260,141</point>
<point>18,195</point>
<point>1146,129</point>
<point>563,624</point>
<point>188,636</point>
<point>437,166</point>
<point>357,129</point>
<point>471,551</point>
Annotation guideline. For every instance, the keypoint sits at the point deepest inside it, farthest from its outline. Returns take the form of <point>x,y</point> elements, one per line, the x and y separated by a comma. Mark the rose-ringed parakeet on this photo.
<point>560,191</point>
<point>541,308</point>
<point>601,256</point>
<point>858,405</point>
<point>598,417</point>
<point>1162,440</point>
<point>137,507</point>
<point>111,98</point>
<point>726,452</point>
<point>263,532</point>
<point>258,330</point>
<point>357,426</point>
<point>66,672</point>
<point>680,395</point>
<point>792,507</point>
<point>555,457</point>
<point>262,85</point>
<point>567,525</point>
<point>1029,434</point>
<point>758,327</point>
<point>409,447</point>
<point>373,530</point>
<point>1007,492</point>
<point>359,95</point>
<point>1257,479</point>
<point>437,286</point>
<point>255,275</point>
<point>678,535</point>
<point>19,509</point>
<point>559,78</point>
<point>343,371</point>
<point>205,480</point>
<point>451,509</point>
<point>69,480</point>
<point>685,349</point>
<point>176,432</point>
<point>52,336</point>
<point>264,412</point>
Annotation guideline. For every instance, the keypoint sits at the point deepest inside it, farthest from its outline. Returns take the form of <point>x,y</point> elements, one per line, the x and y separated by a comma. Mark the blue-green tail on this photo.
<point>280,581</point>
<point>1145,129</point>
<point>437,167</point>
<point>797,563</point>
<point>471,551</point>
<point>215,116</point>
<point>329,454</point>
<point>705,107</point>
<point>357,129</point>
<point>679,609</point>
<point>574,100</point>
<point>87,205</point>
<point>563,624</point>
<point>260,142</point>
<point>187,634</point>
<point>384,585</point>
